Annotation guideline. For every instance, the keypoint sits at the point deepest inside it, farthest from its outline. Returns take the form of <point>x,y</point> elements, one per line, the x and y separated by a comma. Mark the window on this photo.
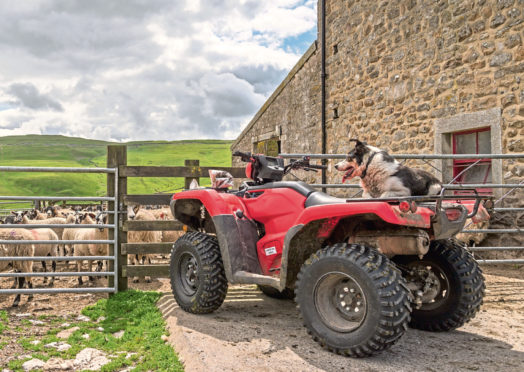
<point>477,132</point>
<point>270,147</point>
<point>475,141</point>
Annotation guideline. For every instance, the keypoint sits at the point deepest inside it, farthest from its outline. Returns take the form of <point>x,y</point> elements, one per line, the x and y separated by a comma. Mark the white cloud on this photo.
<point>133,69</point>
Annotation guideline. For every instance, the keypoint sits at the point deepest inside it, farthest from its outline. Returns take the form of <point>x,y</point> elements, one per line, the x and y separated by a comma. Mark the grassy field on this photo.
<point>60,151</point>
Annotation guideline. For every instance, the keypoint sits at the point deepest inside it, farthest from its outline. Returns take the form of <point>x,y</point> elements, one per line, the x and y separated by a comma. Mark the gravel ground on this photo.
<point>253,332</point>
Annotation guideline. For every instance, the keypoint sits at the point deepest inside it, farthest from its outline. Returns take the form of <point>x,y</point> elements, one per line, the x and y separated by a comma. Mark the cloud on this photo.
<point>137,70</point>
<point>28,96</point>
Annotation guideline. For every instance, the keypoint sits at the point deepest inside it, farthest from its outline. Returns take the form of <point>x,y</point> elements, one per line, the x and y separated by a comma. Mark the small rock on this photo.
<point>129,355</point>
<point>33,364</point>
<point>90,358</point>
<point>83,318</point>
<point>36,322</point>
<point>54,364</point>
<point>35,342</point>
<point>63,347</point>
<point>85,336</point>
<point>23,315</point>
<point>164,338</point>
<point>119,334</point>
<point>100,329</point>
<point>67,332</point>
<point>64,325</point>
<point>51,345</point>
<point>101,319</point>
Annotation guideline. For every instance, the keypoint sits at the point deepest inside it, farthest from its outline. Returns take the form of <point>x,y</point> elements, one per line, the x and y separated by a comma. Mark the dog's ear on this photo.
<point>360,147</point>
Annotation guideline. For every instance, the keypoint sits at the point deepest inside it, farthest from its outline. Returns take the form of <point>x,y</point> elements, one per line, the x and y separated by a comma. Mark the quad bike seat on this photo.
<point>320,198</point>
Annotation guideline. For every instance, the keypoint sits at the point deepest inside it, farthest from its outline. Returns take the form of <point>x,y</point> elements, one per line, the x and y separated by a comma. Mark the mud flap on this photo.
<point>238,244</point>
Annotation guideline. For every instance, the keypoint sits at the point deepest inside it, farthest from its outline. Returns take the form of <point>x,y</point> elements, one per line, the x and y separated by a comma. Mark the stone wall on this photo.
<point>396,71</point>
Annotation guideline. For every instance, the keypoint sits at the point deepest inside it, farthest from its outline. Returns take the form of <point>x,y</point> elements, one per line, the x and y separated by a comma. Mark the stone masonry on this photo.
<point>395,71</point>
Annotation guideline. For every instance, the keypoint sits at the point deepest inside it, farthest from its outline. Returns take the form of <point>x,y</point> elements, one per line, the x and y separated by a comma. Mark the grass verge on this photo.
<point>139,348</point>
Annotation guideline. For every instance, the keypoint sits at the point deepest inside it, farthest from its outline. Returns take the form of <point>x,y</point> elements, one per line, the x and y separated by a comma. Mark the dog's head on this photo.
<point>355,162</point>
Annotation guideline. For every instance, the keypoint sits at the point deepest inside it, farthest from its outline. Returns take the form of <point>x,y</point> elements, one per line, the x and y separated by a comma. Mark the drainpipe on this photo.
<point>323,87</point>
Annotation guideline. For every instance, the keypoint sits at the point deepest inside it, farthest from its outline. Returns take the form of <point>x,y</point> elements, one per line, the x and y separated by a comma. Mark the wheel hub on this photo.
<point>340,302</point>
<point>428,284</point>
<point>349,300</point>
<point>188,273</point>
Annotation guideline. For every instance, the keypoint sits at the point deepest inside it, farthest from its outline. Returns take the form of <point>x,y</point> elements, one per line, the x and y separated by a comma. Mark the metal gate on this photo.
<point>507,190</point>
<point>112,258</point>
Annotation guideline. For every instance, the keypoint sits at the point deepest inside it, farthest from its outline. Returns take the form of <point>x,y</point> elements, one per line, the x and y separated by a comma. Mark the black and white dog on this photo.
<point>381,176</point>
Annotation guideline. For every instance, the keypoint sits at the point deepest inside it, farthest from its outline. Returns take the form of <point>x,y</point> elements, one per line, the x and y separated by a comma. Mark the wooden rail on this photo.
<point>117,158</point>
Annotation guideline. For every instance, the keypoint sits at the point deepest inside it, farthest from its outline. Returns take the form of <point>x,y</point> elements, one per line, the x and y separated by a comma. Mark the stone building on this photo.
<point>409,76</point>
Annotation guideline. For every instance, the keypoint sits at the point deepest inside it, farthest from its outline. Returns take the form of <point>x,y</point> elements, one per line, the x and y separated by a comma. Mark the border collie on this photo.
<point>381,176</point>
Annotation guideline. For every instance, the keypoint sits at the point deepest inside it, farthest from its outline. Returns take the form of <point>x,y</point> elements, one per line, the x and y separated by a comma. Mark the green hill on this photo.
<point>60,151</point>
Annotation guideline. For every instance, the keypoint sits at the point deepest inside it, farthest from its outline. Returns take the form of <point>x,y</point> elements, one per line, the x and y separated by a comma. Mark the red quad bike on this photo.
<point>361,269</point>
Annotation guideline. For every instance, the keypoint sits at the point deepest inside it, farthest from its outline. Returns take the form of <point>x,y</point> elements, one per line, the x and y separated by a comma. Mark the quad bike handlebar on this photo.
<point>303,163</point>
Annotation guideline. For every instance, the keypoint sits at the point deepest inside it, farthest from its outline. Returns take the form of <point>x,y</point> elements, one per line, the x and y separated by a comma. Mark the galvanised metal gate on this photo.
<point>507,189</point>
<point>112,257</point>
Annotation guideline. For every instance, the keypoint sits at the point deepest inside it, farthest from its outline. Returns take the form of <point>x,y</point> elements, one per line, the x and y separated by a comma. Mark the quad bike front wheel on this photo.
<point>447,283</point>
<point>352,299</point>
<point>198,280</point>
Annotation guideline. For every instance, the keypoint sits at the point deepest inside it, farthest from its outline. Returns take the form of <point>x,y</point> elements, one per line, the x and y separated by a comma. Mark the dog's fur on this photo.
<point>381,176</point>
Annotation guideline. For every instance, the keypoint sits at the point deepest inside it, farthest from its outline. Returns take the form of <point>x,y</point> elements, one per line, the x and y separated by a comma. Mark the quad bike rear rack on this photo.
<point>437,199</point>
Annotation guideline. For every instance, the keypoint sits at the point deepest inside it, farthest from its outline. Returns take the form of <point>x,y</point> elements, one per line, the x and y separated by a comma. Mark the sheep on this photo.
<point>163,213</point>
<point>50,221</point>
<point>35,214</point>
<point>91,249</point>
<point>69,234</point>
<point>20,250</point>
<point>138,214</point>
<point>46,249</point>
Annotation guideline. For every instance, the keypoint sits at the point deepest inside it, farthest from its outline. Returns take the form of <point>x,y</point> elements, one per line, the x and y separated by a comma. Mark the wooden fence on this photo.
<point>117,158</point>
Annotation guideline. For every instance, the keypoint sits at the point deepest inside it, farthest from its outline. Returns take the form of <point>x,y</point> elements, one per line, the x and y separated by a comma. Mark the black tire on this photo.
<point>353,300</point>
<point>286,294</point>
<point>198,280</point>
<point>460,286</point>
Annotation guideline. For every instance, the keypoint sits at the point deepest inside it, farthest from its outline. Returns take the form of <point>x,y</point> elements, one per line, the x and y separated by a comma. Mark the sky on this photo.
<point>126,70</point>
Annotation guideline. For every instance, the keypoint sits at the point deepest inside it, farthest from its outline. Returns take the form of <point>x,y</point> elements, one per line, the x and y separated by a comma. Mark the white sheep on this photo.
<point>50,221</point>
<point>91,249</point>
<point>46,249</point>
<point>69,234</point>
<point>18,250</point>
<point>138,214</point>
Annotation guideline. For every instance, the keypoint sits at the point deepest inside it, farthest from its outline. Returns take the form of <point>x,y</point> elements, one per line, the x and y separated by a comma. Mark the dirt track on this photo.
<point>256,333</point>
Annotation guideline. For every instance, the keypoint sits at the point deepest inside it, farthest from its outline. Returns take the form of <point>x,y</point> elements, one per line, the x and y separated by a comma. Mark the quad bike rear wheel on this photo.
<point>352,299</point>
<point>286,294</point>
<point>198,280</point>
<point>448,284</point>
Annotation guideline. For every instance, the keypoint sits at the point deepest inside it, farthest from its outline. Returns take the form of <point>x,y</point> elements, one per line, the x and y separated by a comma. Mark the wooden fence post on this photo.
<point>116,157</point>
<point>187,180</point>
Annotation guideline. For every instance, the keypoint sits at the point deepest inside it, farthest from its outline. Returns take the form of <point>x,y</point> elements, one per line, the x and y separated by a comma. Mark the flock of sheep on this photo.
<point>61,216</point>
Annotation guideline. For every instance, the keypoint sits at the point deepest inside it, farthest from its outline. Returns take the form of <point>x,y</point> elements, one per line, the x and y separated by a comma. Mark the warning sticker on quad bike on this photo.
<point>270,251</point>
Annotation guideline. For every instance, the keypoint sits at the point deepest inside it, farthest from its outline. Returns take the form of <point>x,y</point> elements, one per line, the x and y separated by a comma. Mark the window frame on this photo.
<point>460,164</point>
